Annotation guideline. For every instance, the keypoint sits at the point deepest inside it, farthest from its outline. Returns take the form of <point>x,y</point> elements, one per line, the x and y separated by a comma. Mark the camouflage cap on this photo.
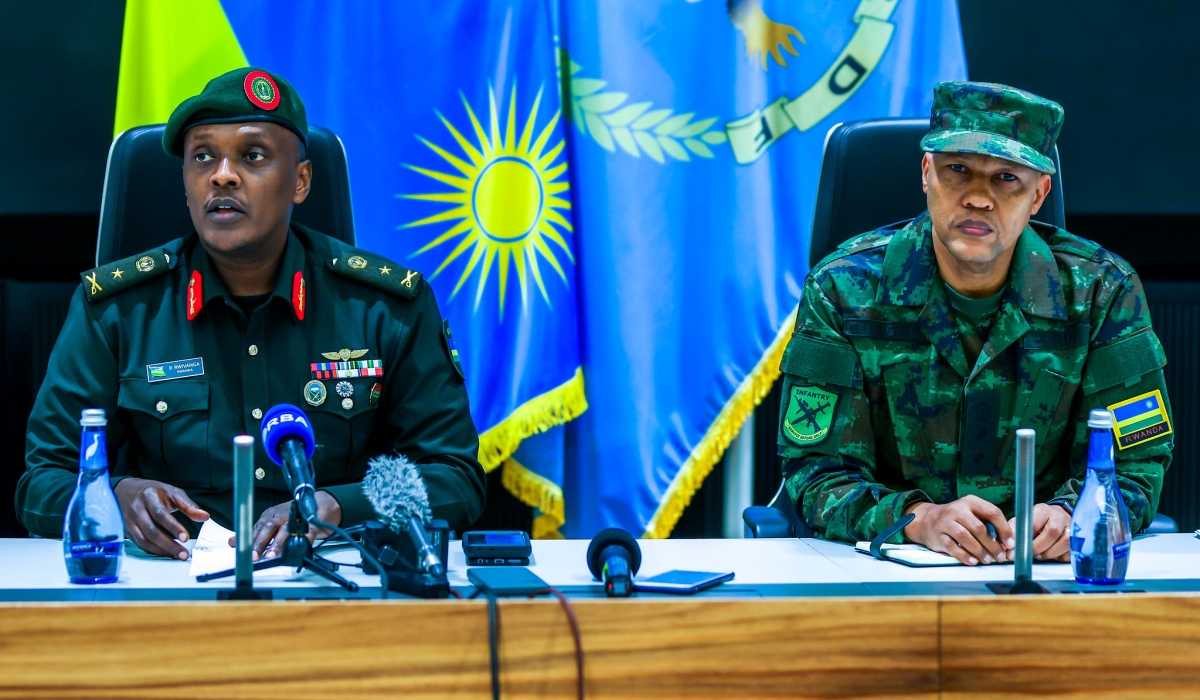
<point>242,95</point>
<point>994,120</point>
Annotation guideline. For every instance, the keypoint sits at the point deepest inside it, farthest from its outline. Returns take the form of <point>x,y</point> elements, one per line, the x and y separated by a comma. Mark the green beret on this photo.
<point>242,95</point>
<point>994,120</point>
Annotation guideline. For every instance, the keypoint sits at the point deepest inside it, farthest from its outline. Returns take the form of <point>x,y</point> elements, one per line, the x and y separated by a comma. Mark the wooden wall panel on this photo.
<point>1086,646</point>
<point>244,650</point>
<point>814,648</point>
<point>769,648</point>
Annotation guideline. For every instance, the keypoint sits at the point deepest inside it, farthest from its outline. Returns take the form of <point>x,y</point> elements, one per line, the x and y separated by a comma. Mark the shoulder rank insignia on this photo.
<point>106,280</point>
<point>376,271</point>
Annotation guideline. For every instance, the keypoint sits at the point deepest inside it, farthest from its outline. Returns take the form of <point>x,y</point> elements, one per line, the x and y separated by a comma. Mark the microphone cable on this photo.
<point>336,539</point>
<point>493,637</point>
<point>574,622</point>
<point>383,579</point>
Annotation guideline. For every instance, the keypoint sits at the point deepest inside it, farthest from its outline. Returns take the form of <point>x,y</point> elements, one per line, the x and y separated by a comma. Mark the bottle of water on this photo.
<point>1100,536</point>
<point>93,531</point>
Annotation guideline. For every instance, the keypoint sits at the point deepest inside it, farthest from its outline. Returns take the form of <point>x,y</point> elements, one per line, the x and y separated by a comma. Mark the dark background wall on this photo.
<point>1123,71</point>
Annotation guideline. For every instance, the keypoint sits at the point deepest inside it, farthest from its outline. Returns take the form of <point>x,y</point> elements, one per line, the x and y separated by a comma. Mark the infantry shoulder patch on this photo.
<point>809,415</point>
<point>1140,419</point>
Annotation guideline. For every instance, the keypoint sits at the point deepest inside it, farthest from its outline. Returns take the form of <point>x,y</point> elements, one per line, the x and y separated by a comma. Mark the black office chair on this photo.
<point>144,206</point>
<point>870,177</point>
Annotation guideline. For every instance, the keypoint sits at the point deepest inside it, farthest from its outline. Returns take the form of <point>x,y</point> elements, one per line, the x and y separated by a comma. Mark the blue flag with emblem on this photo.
<point>698,129</point>
<point>452,118</point>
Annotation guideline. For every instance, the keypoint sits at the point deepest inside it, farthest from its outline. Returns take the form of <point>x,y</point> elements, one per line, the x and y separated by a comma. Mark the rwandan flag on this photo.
<point>452,117</point>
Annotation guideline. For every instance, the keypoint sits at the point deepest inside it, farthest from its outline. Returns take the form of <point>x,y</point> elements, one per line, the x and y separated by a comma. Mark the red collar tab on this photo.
<point>298,295</point>
<point>261,90</point>
<point>195,295</point>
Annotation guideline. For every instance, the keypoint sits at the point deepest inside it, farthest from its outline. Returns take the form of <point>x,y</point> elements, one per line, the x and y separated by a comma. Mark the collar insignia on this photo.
<point>195,295</point>
<point>298,295</point>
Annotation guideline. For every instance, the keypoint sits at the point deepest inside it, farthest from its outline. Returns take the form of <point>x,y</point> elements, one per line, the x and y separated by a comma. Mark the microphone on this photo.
<point>614,557</point>
<point>396,491</point>
<point>288,439</point>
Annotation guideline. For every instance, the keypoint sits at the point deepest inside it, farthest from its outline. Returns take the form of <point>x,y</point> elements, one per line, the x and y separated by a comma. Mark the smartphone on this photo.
<point>677,581</point>
<point>506,581</point>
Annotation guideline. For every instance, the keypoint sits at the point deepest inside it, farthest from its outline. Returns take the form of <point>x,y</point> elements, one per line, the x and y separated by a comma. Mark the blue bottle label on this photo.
<point>1076,544</point>
<point>1121,550</point>
<point>94,549</point>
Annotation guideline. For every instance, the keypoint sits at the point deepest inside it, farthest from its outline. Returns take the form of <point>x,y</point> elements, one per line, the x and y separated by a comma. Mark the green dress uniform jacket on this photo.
<point>880,409</point>
<point>331,303</point>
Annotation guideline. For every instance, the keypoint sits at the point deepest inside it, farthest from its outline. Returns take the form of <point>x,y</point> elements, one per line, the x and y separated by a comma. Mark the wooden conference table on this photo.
<point>804,618</point>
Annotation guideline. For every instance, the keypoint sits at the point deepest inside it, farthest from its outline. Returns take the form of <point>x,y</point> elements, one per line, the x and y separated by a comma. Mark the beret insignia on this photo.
<point>261,90</point>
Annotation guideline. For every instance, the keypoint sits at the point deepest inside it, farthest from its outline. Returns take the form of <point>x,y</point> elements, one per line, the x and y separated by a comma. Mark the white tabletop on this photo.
<point>29,566</point>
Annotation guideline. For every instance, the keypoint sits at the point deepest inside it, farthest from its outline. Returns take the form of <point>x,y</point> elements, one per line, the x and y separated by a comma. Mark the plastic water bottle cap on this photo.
<point>93,417</point>
<point>1100,418</point>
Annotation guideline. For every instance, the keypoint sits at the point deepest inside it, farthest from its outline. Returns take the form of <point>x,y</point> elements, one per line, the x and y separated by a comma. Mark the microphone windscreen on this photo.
<point>282,421</point>
<point>396,490</point>
<point>606,538</point>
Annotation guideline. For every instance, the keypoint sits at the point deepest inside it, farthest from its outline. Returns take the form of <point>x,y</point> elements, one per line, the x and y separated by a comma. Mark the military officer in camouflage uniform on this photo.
<point>186,345</point>
<point>919,350</point>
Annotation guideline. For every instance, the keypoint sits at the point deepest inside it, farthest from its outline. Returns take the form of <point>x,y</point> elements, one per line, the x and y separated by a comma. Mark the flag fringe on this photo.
<point>537,415</point>
<point>716,439</point>
<point>537,491</point>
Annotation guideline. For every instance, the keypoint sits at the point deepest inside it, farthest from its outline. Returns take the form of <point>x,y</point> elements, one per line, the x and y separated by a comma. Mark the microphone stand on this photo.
<point>298,554</point>
<point>1023,583</point>
<point>243,499</point>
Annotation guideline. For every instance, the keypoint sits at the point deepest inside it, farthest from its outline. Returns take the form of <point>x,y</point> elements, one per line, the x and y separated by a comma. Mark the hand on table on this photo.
<point>957,528</point>
<point>271,531</point>
<point>1051,533</point>
<point>146,508</point>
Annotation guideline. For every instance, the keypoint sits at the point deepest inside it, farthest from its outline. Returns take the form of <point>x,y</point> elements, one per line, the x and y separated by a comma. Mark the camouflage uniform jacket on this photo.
<point>880,409</point>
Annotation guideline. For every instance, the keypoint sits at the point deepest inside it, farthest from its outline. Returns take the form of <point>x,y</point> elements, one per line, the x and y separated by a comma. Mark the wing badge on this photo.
<point>345,355</point>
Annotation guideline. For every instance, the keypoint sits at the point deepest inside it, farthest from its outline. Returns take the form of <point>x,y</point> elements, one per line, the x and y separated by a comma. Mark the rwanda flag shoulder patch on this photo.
<point>809,415</point>
<point>1140,419</point>
<point>451,348</point>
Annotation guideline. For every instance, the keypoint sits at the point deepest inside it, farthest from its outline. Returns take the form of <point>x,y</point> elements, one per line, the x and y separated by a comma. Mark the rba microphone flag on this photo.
<point>611,198</point>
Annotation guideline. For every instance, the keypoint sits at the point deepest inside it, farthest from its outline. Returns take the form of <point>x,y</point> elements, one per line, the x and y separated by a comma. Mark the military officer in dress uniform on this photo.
<point>919,349</point>
<point>186,345</point>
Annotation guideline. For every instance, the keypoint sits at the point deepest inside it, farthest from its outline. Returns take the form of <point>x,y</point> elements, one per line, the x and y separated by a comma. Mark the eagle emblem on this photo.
<point>344,355</point>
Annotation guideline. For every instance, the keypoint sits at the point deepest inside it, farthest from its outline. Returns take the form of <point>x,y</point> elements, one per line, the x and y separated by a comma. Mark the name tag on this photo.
<point>176,369</point>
